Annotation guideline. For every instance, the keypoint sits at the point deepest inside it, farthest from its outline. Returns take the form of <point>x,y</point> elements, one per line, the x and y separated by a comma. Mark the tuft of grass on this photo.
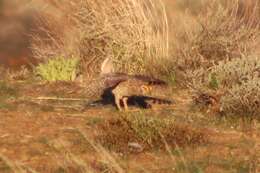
<point>171,78</point>
<point>58,69</point>
<point>213,81</point>
<point>92,121</point>
<point>7,93</point>
<point>149,132</point>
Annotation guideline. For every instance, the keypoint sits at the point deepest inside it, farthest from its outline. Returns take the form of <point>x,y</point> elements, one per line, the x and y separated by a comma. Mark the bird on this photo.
<point>122,86</point>
<point>151,89</point>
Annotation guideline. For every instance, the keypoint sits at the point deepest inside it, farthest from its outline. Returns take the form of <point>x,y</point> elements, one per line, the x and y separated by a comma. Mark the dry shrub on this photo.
<point>238,82</point>
<point>236,71</point>
<point>212,50</point>
<point>226,73</point>
<point>148,132</point>
<point>133,33</point>
<point>243,99</point>
<point>220,31</point>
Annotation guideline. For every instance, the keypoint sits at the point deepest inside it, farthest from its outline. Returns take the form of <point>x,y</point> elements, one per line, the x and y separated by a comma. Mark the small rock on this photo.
<point>135,146</point>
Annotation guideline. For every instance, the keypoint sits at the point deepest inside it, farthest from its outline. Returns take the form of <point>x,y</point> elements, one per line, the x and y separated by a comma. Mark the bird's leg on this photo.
<point>117,101</point>
<point>125,103</point>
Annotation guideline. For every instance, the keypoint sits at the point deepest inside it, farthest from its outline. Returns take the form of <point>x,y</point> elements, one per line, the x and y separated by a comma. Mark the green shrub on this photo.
<point>58,69</point>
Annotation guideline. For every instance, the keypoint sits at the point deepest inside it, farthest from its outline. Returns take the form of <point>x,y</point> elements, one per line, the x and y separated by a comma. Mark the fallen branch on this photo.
<point>59,98</point>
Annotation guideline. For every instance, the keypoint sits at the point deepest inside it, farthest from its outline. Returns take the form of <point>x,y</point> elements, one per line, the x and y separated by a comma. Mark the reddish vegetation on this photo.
<point>16,61</point>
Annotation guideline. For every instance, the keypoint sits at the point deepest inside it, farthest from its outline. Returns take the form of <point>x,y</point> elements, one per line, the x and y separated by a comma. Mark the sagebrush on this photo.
<point>238,80</point>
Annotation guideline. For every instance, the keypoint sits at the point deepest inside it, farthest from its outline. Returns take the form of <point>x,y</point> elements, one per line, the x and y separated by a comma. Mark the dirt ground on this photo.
<point>47,136</point>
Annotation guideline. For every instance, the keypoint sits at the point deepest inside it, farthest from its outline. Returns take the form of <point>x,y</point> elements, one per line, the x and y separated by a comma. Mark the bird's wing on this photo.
<point>149,80</point>
<point>96,87</point>
<point>111,80</point>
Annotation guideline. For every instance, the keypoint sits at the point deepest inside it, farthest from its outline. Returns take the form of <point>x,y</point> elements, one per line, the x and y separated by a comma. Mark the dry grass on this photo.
<point>15,75</point>
<point>220,31</point>
<point>132,33</point>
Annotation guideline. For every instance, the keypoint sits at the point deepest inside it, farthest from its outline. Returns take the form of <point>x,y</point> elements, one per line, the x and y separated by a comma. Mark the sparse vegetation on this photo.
<point>7,91</point>
<point>208,51</point>
<point>237,79</point>
<point>149,132</point>
<point>236,71</point>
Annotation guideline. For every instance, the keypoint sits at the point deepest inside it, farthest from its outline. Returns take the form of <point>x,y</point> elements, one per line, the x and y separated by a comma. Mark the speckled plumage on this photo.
<point>122,85</point>
<point>95,88</point>
<point>121,82</point>
<point>140,86</point>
